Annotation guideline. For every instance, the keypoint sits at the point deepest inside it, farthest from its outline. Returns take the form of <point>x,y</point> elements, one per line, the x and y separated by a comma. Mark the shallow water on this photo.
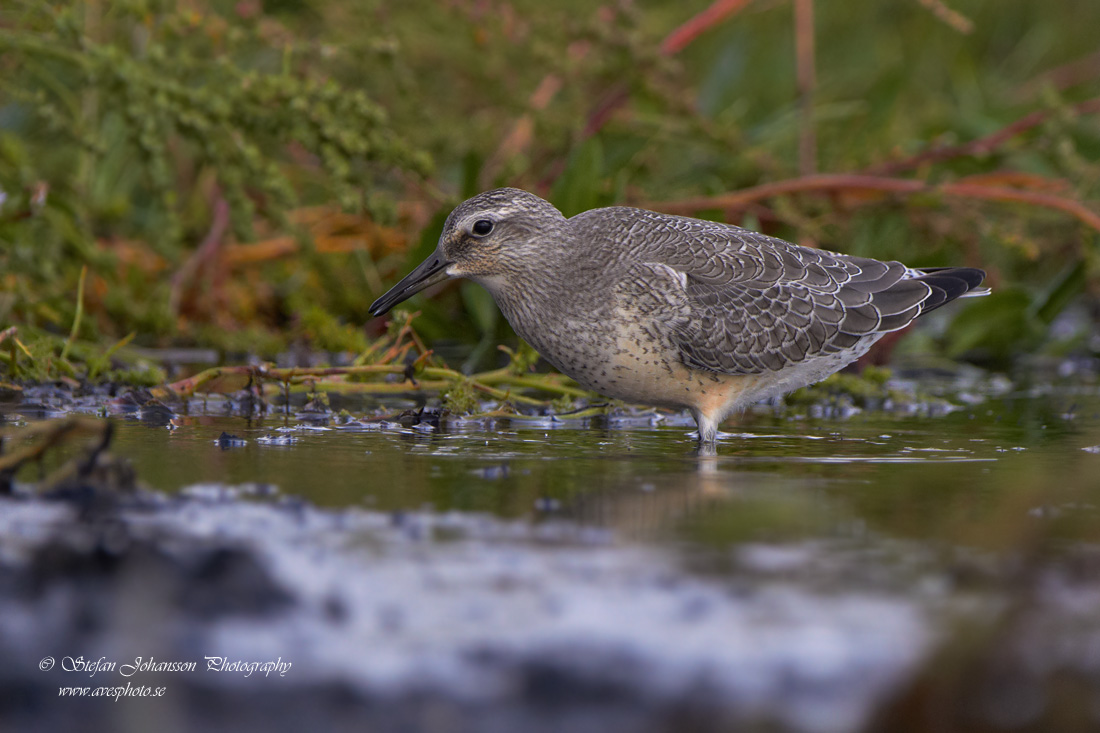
<point>814,575</point>
<point>775,476</point>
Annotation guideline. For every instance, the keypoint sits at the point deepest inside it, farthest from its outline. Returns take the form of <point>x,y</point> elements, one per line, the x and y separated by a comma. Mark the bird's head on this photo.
<point>494,238</point>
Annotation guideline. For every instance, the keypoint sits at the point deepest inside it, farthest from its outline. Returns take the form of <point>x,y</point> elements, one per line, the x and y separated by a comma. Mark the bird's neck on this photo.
<point>524,301</point>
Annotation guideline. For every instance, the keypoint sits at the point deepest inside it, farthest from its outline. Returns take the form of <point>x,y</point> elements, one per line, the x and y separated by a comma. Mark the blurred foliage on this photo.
<point>250,175</point>
<point>134,121</point>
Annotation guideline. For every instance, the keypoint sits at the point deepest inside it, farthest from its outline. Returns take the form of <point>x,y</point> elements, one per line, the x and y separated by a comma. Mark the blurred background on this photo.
<point>247,176</point>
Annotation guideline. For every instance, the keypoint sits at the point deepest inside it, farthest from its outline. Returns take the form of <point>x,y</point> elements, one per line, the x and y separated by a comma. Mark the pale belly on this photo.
<point>638,369</point>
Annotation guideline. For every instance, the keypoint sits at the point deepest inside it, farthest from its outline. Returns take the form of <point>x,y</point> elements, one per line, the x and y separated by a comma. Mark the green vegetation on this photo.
<point>249,176</point>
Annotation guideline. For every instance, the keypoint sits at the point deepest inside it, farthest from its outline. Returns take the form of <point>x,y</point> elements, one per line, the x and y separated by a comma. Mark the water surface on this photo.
<point>816,574</point>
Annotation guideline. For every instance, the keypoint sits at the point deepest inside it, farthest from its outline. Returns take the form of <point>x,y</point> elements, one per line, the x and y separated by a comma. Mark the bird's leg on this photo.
<point>708,428</point>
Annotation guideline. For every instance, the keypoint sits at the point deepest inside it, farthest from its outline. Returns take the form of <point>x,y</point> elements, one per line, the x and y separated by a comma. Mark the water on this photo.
<point>775,476</point>
<point>815,575</point>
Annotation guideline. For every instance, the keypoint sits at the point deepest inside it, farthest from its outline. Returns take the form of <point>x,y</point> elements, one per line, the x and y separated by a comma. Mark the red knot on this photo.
<point>672,311</point>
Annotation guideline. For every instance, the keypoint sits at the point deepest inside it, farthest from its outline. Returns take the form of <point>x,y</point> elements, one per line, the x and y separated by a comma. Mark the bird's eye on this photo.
<point>482,227</point>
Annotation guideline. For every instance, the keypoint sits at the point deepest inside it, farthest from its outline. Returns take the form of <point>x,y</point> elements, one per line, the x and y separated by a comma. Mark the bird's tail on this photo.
<point>949,283</point>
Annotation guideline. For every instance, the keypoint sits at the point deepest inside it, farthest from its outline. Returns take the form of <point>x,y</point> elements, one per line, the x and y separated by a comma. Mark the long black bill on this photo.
<point>429,272</point>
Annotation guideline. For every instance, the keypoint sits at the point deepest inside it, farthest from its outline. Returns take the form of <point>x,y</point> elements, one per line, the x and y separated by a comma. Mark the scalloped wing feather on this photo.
<point>747,303</point>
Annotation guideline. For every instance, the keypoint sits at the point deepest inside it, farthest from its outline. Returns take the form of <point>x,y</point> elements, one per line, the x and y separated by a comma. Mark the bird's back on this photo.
<point>740,302</point>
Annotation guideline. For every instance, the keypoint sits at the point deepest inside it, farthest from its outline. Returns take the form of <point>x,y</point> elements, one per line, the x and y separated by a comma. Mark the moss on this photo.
<point>254,340</point>
<point>327,333</point>
<point>870,384</point>
<point>524,358</point>
<point>85,361</point>
<point>461,398</point>
<point>562,404</point>
<point>319,401</point>
<point>147,375</point>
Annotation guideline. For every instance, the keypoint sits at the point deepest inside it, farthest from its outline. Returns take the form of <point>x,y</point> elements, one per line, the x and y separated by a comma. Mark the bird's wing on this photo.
<point>747,303</point>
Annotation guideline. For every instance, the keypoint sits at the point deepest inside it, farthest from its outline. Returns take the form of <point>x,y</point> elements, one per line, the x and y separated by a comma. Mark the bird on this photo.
<point>673,311</point>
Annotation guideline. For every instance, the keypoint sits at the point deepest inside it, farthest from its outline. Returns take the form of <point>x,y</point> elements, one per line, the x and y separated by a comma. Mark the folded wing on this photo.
<point>749,304</point>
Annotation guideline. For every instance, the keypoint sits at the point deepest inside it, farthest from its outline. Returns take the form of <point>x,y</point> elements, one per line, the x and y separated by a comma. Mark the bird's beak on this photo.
<point>429,272</point>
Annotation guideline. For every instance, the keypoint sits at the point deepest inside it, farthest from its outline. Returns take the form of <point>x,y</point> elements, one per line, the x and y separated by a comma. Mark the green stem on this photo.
<point>432,379</point>
<point>540,383</point>
<point>79,314</point>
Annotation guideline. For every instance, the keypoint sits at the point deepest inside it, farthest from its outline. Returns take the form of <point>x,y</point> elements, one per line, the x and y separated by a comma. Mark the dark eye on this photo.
<point>482,227</point>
